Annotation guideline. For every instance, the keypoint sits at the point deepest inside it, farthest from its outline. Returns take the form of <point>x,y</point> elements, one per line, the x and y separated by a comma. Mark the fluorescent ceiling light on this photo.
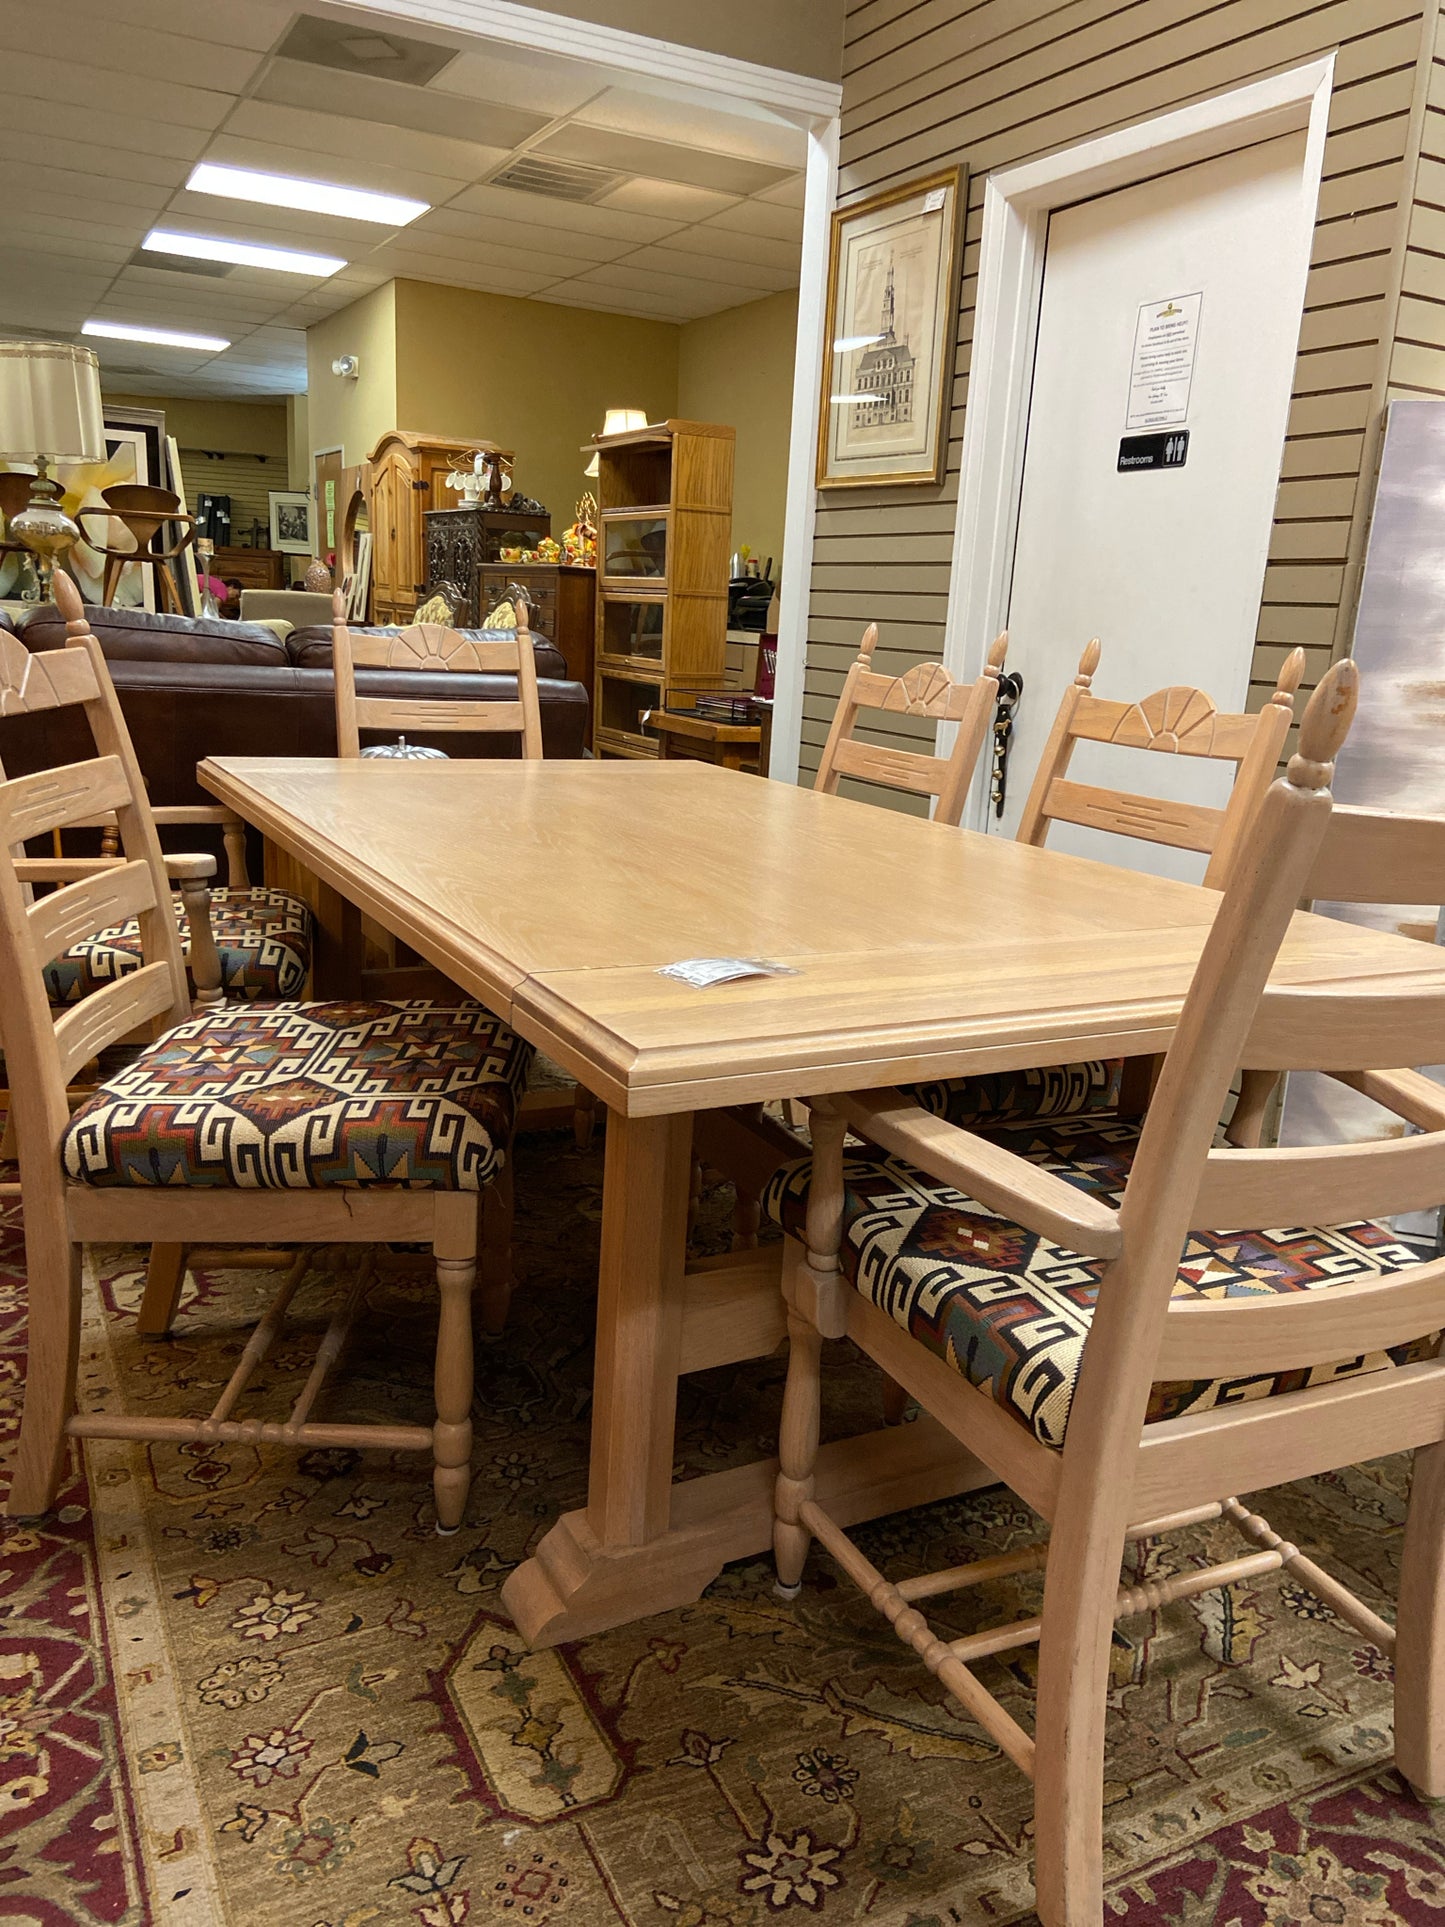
<point>204,247</point>
<point>850,342</point>
<point>315,197</point>
<point>163,337</point>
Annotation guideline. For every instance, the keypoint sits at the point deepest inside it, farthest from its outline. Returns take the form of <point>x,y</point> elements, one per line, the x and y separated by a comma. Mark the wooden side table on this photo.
<point>701,739</point>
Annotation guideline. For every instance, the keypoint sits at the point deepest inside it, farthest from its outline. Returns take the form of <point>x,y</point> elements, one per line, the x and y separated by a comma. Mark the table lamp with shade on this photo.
<point>50,412</point>
<point>619,421</point>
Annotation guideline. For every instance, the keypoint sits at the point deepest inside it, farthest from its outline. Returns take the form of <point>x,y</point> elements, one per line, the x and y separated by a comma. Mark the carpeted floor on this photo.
<point>251,1687</point>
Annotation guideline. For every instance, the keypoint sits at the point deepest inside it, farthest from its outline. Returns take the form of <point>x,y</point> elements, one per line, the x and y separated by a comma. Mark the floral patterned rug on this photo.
<point>242,1686</point>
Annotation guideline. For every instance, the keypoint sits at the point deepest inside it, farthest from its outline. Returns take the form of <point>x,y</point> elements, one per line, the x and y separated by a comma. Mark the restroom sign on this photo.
<point>1161,372</point>
<point>1138,452</point>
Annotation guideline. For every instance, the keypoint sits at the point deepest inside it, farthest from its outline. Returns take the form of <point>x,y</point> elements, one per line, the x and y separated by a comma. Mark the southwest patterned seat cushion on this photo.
<point>1011,1311</point>
<point>292,1097</point>
<point>1018,1097</point>
<point>263,938</point>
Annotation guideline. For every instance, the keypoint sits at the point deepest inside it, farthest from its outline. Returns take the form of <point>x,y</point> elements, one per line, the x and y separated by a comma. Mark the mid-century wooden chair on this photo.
<point>1368,856</point>
<point>142,511</point>
<point>1059,1297</point>
<point>926,690</point>
<point>1178,721</point>
<point>302,1124</point>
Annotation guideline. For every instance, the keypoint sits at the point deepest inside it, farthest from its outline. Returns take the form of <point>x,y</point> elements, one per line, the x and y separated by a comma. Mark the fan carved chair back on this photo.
<point>925,690</point>
<point>142,511</point>
<point>431,647</point>
<point>1178,721</point>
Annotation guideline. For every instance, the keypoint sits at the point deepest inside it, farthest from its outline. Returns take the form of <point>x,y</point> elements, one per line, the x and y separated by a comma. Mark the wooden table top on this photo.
<point>555,890</point>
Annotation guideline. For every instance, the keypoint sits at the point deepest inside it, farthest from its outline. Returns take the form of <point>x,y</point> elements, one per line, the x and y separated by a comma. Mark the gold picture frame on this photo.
<point>894,264</point>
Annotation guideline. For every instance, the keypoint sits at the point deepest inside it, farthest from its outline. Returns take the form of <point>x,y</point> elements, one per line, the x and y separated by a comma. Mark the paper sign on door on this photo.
<point>1161,373</point>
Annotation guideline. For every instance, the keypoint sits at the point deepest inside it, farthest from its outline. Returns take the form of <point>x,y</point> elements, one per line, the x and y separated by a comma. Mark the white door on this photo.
<point>1164,309</point>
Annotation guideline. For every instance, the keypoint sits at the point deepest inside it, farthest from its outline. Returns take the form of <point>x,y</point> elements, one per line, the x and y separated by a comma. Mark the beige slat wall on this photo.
<point>999,82</point>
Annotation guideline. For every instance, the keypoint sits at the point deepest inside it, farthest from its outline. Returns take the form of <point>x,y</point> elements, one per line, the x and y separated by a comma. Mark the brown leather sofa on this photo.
<point>195,688</point>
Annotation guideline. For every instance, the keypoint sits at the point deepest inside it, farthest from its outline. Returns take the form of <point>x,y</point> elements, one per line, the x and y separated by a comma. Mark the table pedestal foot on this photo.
<point>573,1585</point>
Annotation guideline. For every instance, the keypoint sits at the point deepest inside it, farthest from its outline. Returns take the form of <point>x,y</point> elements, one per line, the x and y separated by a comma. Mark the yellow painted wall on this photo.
<point>536,377</point>
<point>354,415</point>
<point>737,367</point>
<point>229,427</point>
<point>298,442</point>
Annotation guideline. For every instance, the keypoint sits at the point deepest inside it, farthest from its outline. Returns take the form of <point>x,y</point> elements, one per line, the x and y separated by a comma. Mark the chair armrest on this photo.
<point>67,869</point>
<point>996,1177</point>
<point>1409,1094</point>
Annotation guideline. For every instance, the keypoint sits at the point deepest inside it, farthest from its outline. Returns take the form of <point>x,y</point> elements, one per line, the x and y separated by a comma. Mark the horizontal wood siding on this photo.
<point>998,82</point>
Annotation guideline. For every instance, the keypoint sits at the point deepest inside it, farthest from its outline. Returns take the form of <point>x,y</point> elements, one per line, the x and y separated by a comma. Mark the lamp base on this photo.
<point>44,527</point>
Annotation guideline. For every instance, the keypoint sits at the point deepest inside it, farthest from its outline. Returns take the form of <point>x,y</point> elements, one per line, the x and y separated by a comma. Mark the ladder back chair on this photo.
<point>143,511</point>
<point>430,646</point>
<point>1369,856</point>
<point>303,1124</point>
<point>1178,721</point>
<point>1136,1393</point>
<point>245,941</point>
<point>925,690</point>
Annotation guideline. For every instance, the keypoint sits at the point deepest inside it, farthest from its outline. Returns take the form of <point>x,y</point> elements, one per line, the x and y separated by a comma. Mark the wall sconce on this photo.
<point>347,366</point>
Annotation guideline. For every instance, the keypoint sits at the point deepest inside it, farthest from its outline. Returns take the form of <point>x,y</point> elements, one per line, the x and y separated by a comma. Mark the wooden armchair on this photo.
<point>1073,1350</point>
<point>341,1134</point>
<point>925,690</point>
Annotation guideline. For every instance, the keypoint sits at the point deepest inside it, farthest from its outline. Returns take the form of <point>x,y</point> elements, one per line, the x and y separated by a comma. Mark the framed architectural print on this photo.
<point>893,276</point>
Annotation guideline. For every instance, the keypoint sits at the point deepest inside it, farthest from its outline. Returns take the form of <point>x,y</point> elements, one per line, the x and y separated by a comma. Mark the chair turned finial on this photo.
<point>1088,663</point>
<point>68,602</point>
<point>1288,680</point>
<point>1325,726</point>
<point>867,646</point>
<point>997,654</point>
<point>338,605</point>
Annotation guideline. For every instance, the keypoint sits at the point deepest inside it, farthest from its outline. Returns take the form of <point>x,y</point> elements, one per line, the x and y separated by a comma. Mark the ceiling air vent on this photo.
<point>351,49</point>
<point>558,180</point>
<point>179,263</point>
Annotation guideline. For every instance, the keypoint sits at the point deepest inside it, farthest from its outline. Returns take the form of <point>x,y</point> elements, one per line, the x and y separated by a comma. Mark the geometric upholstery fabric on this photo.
<point>263,938</point>
<point>994,1098</point>
<point>291,1097</point>
<point>1010,1310</point>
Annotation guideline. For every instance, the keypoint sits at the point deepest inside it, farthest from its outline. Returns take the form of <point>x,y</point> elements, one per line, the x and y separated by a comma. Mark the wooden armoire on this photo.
<point>406,476</point>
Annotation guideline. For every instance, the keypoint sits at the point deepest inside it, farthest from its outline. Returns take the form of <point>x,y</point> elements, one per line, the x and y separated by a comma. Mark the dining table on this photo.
<point>897,949</point>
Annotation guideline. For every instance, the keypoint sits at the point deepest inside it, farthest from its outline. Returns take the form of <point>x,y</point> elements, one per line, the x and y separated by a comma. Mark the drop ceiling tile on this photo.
<point>80,157</point>
<point>450,224</point>
<point>786,193</point>
<point>543,81</point>
<point>581,217</point>
<point>123,49</point>
<point>517,281</point>
<point>669,199</point>
<point>116,133</point>
<point>75,87</point>
<point>295,83</point>
<point>692,123</point>
<point>646,307</point>
<point>24,178</point>
<point>219,23</point>
<point>118,222</point>
<point>282,227</point>
<point>668,288</point>
<point>98,248</point>
<point>726,244</point>
<point>663,160</point>
<point>404,148</point>
<point>475,260</point>
<point>757,216</point>
<point>268,157</point>
<point>705,267</point>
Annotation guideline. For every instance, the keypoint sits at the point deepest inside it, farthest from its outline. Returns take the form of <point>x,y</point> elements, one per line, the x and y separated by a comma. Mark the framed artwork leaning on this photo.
<point>893,284</point>
<point>291,529</point>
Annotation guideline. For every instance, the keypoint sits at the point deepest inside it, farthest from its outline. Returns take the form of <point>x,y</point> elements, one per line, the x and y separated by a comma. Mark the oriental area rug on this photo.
<point>253,1688</point>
